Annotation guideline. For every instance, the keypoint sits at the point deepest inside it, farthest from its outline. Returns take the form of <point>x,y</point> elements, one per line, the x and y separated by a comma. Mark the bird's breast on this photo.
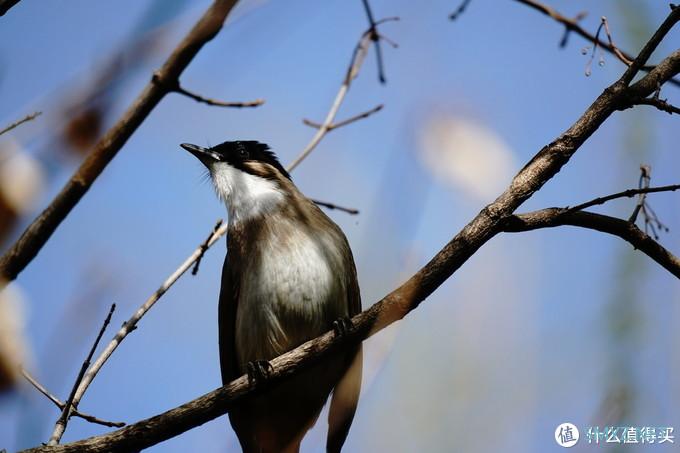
<point>292,289</point>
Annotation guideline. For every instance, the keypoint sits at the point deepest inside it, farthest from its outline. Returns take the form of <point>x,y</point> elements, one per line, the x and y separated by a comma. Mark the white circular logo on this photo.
<point>566,435</point>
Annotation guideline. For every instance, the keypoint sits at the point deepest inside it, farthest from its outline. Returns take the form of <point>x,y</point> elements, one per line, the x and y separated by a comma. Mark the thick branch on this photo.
<point>628,231</point>
<point>42,228</point>
<point>489,222</point>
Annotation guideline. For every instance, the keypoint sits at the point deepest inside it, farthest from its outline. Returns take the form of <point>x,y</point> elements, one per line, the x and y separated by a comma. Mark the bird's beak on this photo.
<point>206,156</point>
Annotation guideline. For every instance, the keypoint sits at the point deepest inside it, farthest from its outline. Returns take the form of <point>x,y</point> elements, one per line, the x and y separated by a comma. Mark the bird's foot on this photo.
<point>342,326</point>
<point>258,372</point>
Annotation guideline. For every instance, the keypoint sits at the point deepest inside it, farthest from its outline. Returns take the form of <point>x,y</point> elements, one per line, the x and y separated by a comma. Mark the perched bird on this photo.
<point>288,277</point>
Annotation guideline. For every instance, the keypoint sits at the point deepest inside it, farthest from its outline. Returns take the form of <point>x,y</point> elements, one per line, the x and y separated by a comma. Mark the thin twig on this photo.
<point>356,61</point>
<point>342,123</point>
<point>70,403</point>
<point>460,10</point>
<point>41,229</point>
<point>205,246</point>
<point>573,25</point>
<point>660,104</point>
<point>177,88</point>
<point>624,194</point>
<point>332,206</point>
<point>25,119</point>
<point>375,37</point>
<point>57,402</point>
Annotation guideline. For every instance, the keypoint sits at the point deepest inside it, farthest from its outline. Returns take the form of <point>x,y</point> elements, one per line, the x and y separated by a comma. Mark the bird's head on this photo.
<point>246,175</point>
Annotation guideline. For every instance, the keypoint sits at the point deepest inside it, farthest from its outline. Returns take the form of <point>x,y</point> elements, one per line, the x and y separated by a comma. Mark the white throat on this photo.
<point>246,196</point>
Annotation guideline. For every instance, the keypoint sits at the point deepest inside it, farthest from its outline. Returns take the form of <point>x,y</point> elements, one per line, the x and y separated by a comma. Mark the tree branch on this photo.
<point>175,87</point>
<point>624,194</point>
<point>360,52</point>
<point>23,120</point>
<point>42,228</point>
<point>488,223</point>
<point>70,404</point>
<point>572,25</point>
<point>628,231</point>
<point>57,402</point>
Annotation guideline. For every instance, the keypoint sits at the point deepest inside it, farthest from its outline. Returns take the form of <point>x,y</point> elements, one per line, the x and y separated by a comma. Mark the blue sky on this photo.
<point>518,341</point>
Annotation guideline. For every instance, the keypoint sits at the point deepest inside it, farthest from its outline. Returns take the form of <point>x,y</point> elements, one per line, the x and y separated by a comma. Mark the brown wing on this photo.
<point>346,393</point>
<point>227,320</point>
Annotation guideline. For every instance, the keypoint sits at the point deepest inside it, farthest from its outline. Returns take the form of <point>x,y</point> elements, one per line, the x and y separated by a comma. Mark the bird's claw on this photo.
<point>258,371</point>
<point>342,326</point>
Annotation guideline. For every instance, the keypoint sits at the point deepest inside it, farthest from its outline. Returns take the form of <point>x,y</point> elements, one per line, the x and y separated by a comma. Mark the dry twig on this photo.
<point>70,403</point>
<point>25,119</point>
<point>57,402</point>
<point>357,60</point>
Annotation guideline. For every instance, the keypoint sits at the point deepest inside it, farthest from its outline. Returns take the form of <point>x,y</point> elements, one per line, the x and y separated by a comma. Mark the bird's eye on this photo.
<point>242,152</point>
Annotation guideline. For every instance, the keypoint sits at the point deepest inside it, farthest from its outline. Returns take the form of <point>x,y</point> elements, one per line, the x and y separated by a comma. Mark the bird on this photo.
<point>288,277</point>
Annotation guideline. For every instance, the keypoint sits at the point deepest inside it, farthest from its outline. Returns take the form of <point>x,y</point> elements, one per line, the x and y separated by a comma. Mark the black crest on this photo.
<point>237,152</point>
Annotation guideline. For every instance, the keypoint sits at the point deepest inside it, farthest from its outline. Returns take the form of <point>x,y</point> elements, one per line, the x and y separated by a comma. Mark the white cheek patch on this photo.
<point>247,196</point>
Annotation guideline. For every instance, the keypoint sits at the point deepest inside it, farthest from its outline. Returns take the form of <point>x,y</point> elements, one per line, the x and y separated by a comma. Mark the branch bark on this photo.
<point>628,231</point>
<point>489,222</point>
<point>41,229</point>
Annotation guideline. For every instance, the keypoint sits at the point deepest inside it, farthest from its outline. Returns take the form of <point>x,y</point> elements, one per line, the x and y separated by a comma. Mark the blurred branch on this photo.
<point>71,404</point>
<point>41,229</point>
<point>5,5</point>
<point>332,206</point>
<point>626,230</point>
<point>376,37</point>
<point>360,52</point>
<point>38,386</point>
<point>488,223</point>
<point>572,25</point>
<point>25,119</point>
<point>175,87</point>
<point>460,10</point>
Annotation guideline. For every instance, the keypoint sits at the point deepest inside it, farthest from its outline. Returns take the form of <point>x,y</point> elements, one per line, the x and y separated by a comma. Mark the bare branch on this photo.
<point>572,25</point>
<point>25,119</point>
<point>660,104</point>
<point>5,5</point>
<point>41,229</point>
<point>332,206</point>
<point>460,10</point>
<point>57,402</point>
<point>342,123</point>
<point>628,231</point>
<point>204,247</point>
<point>70,404</point>
<point>175,87</point>
<point>624,194</point>
<point>488,223</point>
<point>360,52</point>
